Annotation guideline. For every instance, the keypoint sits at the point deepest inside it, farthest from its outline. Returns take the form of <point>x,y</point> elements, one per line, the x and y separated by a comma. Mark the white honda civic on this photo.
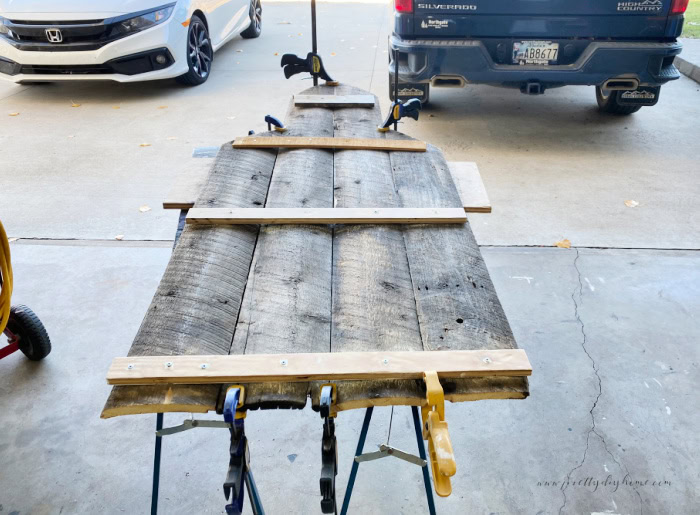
<point>121,40</point>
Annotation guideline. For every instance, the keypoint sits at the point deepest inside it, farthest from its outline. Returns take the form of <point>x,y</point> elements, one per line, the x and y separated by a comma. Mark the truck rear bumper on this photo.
<point>422,61</point>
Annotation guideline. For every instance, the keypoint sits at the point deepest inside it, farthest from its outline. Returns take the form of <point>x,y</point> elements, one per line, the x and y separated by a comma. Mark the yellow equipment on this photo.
<point>5,279</point>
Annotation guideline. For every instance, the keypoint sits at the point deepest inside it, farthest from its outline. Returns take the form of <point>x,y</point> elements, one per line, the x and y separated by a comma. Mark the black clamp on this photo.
<point>239,477</point>
<point>313,64</point>
<point>329,451</point>
<point>398,110</point>
<point>271,120</point>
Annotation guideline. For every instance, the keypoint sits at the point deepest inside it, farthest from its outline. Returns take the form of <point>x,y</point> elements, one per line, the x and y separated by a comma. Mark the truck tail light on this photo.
<point>406,6</point>
<point>677,6</point>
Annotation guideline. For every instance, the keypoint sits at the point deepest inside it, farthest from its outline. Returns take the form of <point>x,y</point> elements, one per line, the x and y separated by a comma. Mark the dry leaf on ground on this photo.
<point>631,203</point>
<point>563,244</point>
<point>239,51</point>
<point>145,145</point>
<point>13,114</point>
<point>75,105</point>
<point>119,237</point>
<point>276,53</point>
<point>144,208</point>
<point>162,107</point>
<point>285,23</point>
<point>116,107</point>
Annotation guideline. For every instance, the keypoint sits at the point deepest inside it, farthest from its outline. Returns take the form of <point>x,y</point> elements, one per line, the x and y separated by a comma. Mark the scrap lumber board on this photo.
<point>334,101</point>
<point>340,288</point>
<point>465,175</point>
<point>321,216</point>
<point>328,366</point>
<point>470,186</point>
<point>330,143</point>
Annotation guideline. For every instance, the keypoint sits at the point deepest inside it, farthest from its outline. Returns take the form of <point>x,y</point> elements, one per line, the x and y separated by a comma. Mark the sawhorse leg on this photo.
<point>159,416</point>
<point>421,451</point>
<point>156,466</point>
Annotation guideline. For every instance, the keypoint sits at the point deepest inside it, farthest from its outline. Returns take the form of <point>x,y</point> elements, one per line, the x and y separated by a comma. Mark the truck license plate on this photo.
<point>535,52</point>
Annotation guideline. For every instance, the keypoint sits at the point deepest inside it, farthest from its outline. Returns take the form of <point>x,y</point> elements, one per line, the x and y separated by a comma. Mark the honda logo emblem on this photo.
<point>54,35</point>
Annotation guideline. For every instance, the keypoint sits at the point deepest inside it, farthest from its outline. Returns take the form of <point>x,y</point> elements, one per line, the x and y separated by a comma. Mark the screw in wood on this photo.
<point>130,366</point>
<point>283,362</point>
<point>487,360</point>
<point>169,364</point>
<point>203,366</point>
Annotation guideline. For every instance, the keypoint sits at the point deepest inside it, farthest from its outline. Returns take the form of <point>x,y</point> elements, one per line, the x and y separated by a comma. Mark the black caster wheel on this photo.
<point>34,341</point>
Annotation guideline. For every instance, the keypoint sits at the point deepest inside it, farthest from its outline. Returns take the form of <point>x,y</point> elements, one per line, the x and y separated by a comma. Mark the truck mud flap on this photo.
<point>642,96</point>
<point>409,90</point>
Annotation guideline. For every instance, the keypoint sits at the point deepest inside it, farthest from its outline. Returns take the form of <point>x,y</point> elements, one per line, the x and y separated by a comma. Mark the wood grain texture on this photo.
<point>196,305</point>
<point>457,304</point>
<point>373,305</point>
<point>346,143</point>
<point>329,366</point>
<point>471,188</point>
<point>324,216</point>
<point>287,304</point>
<point>334,101</point>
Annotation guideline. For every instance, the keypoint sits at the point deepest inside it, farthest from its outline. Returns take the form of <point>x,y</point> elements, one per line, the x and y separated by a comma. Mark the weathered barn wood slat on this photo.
<point>196,305</point>
<point>287,305</point>
<point>309,288</point>
<point>373,305</point>
<point>457,304</point>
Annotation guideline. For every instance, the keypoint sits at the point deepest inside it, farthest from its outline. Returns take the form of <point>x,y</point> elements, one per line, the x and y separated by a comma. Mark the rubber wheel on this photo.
<point>608,102</point>
<point>255,27</point>
<point>200,53</point>
<point>34,341</point>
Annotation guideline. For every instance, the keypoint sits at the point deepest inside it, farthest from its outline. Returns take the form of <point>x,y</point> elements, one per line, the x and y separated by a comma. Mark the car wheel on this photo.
<point>255,27</point>
<point>34,341</point>
<point>609,102</point>
<point>200,53</point>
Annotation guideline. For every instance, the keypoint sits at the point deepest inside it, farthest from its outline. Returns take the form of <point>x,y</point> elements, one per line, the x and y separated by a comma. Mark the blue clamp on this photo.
<point>271,120</point>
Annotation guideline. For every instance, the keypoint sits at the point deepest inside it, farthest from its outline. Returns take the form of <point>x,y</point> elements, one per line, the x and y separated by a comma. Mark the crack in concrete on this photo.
<point>593,428</point>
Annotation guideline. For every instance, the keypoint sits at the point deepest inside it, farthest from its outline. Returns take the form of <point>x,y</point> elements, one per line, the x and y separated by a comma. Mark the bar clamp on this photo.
<point>329,450</point>
<point>440,451</point>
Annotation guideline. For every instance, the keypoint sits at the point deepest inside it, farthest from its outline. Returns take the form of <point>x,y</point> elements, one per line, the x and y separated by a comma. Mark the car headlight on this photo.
<point>144,21</point>
<point>3,27</point>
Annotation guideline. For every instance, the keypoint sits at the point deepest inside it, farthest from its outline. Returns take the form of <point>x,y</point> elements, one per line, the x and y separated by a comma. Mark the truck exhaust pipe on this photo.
<point>621,84</point>
<point>448,81</point>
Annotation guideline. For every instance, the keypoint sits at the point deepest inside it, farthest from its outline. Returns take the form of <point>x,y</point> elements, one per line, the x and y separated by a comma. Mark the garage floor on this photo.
<point>610,326</point>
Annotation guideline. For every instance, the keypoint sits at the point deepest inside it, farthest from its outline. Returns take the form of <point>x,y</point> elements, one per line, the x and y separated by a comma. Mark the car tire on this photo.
<point>34,341</point>
<point>200,53</point>
<point>609,102</point>
<point>255,27</point>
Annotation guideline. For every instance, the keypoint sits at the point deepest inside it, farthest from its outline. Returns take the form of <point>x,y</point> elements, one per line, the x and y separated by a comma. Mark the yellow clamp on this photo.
<point>241,399</point>
<point>442,458</point>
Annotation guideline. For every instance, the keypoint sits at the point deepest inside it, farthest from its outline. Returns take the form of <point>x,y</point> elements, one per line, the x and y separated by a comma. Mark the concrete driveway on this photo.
<point>610,325</point>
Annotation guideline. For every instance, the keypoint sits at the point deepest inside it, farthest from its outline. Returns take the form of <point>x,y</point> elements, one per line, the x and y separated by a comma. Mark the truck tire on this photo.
<point>608,102</point>
<point>34,341</point>
<point>255,27</point>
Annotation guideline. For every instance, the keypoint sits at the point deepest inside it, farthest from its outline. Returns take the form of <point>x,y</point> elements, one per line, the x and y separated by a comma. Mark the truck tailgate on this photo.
<point>609,19</point>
